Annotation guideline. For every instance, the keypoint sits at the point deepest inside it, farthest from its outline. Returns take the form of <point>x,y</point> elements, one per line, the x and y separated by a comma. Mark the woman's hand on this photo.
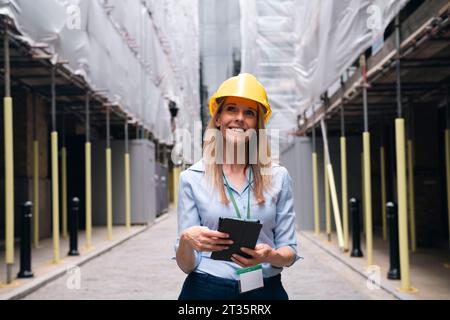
<point>203,239</point>
<point>262,253</point>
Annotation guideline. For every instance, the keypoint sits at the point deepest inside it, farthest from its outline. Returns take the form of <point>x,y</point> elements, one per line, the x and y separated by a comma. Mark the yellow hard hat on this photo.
<point>246,86</point>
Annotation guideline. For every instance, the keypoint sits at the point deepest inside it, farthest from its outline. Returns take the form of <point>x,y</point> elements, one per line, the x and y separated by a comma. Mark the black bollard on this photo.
<point>394,255</point>
<point>25,242</point>
<point>73,226</point>
<point>356,232</point>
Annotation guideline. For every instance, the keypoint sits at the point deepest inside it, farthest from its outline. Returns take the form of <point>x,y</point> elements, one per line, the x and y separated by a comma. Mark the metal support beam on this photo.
<point>327,198</point>
<point>88,175</point>
<point>344,187</point>
<point>447,161</point>
<point>383,183</point>
<point>35,175</point>
<point>9,164</point>
<point>315,182</point>
<point>64,176</point>
<point>401,175</point>
<point>367,169</point>
<point>176,179</point>
<point>55,173</point>
<point>344,191</point>
<point>127,180</point>
<point>332,186</point>
<point>411,194</point>
<point>108,176</point>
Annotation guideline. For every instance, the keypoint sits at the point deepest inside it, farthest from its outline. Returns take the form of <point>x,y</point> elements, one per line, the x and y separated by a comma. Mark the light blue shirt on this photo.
<point>199,205</point>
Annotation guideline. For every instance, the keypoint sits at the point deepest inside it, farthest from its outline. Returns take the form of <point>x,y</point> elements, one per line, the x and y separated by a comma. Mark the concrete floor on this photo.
<point>428,273</point>
<point>42,258</point>
<point>143,268</point>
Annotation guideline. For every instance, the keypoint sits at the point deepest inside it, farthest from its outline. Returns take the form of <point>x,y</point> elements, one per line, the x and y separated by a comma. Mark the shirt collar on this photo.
<point>198,166</point>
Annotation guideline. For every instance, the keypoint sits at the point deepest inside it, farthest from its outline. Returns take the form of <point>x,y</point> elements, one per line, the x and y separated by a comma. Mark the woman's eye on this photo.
<point>231,109</point>
<point>250,113</point>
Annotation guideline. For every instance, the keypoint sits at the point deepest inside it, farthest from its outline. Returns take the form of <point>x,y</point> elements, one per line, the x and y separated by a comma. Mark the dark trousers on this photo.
<point>199,286</point>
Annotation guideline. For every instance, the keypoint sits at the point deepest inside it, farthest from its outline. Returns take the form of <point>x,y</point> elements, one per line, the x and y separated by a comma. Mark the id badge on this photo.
<point>250,278</point>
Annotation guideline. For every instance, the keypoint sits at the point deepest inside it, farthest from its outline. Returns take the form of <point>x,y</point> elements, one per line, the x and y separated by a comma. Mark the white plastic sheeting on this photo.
<point>268,42</point>
<point>144,52</point>
<point>299,48</point>
<point>219,41</point>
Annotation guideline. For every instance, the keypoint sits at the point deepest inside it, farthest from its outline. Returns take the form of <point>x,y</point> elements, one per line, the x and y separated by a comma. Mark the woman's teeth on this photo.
<point>236,129</point>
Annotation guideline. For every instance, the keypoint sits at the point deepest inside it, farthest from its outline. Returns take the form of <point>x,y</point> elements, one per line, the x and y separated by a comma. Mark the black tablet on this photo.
<point>243,233</point>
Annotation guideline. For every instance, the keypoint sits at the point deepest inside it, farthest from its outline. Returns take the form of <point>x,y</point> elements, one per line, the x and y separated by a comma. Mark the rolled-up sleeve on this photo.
<point>187,213</point>
<point>284,232</point>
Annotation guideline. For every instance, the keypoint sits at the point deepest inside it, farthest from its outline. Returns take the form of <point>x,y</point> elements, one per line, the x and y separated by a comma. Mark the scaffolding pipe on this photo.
<point>88,177</point>
<point>64,179</point>
<point>176,177</point>
<point>332,186</point>
<point>447,161</point>
<point>368,199</point>
<point>344,178</point>
<point>447,167</point>
<point>64,191</point>
<point>36,192</point>
<point>127,181</point>
<point>401,176</point>
<point>363,203</point>
<point>412,214</point>
<point>108,177</point>
<point>327,199</point>
<point>55,174</point>
<point>9,164</point>
<point>411,198</point>
<point>315,182</point>
<point>315,194</point>
<point>367,169</point>
<point>383,191</point>
<point>35,177</point>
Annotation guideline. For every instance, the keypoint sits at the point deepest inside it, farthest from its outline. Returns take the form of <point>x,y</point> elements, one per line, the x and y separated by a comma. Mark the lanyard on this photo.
<point>238,213</point>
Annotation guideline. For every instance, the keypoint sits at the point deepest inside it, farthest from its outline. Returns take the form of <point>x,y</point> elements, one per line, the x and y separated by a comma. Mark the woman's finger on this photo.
<point>209,247</point>
<point>211,241</point>
<point>251,252</point>
<point>220,241</point>
<point>217,234</point>
<point>242,260</point>
<point>237,262</point>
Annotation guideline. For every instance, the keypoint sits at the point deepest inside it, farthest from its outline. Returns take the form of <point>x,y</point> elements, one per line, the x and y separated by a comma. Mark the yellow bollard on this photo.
<point>88,187</point>
<point>402,205</point>
<point>447,167</point>
<point>315,194</point>
<point>368,198</point>
<point>383,192</point>
<point>344,191</point>
<point>64,191</point>
<point>55,197</point>
<point>36,194</point>
<point>9,181</point>
<point>127,192</point>
<point>327,201</point>
<point>411,207</point>
<point>108,193</point>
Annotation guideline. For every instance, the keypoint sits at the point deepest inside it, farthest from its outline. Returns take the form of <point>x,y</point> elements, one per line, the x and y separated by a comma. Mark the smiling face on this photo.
<point>237,116</point>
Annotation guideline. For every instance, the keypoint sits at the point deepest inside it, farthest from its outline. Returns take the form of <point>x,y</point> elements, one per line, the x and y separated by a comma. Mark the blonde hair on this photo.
<point>213,170</point>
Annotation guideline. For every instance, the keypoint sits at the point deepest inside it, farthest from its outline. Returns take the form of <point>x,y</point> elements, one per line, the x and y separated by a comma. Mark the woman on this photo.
<point>228,184</point>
